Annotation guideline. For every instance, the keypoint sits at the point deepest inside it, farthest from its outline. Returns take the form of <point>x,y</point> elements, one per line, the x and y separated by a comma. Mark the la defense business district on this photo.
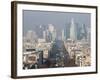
<point>71,48</point>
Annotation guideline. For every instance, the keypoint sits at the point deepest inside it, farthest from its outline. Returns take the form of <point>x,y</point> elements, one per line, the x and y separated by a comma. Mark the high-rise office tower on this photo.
<point>31,35</point>
<point>63,35</point>
<point>83,32</point>
<point>54,35</point>
<point>44,35</point>
<point>89,34</point>
<point>51,32</point>
<point>73,32</point>
<point>50,27</point>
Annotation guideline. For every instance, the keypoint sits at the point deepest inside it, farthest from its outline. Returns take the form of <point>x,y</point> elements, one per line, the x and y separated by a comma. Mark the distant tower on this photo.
<point>51,33</point>
<point>44,35</point>
<point>31,35</point>
<point>50,27</point>
<point>73,33</point>
<point>54,35</point>
<point>30,40</point>
<point>63,34</point>
<point>83,32</point>
<point>89,34</point>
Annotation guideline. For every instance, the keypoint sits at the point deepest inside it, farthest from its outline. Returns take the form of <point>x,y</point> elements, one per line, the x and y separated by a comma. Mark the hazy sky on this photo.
<point>33,19</point>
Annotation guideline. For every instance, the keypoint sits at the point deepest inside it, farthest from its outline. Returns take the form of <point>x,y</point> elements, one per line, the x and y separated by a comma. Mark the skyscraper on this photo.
<point>44,35</point>
<point>63,35</point>
<point>73,32</point>
<point>50,27</point>
<point>51,33</point>
<point>83,32</point>
<point>54,35</point>
<point>31,36</point>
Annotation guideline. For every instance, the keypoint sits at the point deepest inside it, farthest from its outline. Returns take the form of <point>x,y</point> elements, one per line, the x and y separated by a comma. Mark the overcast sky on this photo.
<point>33,19</point>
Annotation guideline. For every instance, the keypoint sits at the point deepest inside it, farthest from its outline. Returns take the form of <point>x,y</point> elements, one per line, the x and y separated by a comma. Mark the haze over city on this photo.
<point>56,39</point>
<point>32,20</point>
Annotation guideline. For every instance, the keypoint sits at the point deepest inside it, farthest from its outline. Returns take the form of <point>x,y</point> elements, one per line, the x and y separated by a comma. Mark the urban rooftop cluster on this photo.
<point>53,50</point>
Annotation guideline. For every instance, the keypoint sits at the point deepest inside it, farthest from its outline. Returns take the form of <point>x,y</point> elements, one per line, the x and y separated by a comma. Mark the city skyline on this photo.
<point>32,20</point>
<point>73,32</point>
<point>56,41</point>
